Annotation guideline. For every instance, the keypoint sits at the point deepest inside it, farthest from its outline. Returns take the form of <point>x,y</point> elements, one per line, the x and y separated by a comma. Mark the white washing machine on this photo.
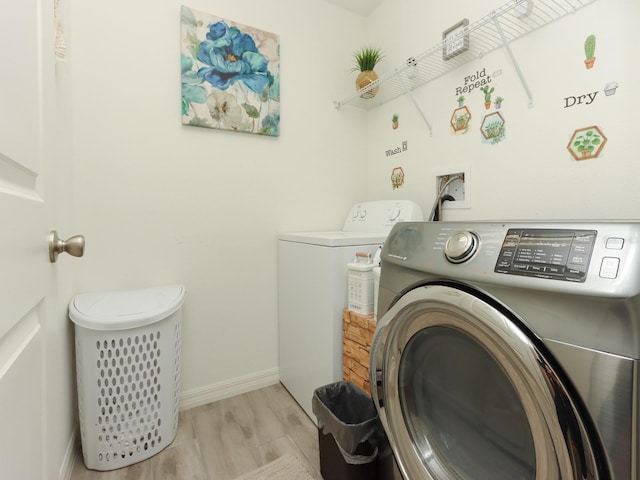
<point>312,292</point>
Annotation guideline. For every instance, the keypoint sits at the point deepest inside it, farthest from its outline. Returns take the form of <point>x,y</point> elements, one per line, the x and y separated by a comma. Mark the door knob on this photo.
<point>74,246</point>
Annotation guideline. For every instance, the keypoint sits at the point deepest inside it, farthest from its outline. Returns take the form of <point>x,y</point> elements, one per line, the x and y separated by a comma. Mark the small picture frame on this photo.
<point>455,40</point>
<point>523,8</point>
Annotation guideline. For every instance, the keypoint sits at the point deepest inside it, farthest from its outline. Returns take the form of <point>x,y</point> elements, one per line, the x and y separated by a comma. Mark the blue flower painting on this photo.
<point>230,75</point>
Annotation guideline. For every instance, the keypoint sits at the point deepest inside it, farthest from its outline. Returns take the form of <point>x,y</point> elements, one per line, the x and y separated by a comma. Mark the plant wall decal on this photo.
<point>397,178</point>
<point>460,120</point>
<point>493,128</point>
<point>487,96</point>
<point>590,51</point>
<point>586,143</point>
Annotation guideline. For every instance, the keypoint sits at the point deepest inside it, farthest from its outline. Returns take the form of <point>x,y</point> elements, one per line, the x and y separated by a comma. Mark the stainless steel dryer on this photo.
<point>510,350</point>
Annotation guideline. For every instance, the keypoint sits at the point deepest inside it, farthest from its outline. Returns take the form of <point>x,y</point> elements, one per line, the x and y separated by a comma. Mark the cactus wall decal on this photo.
<point>590,50</point>
<point>487,96</point>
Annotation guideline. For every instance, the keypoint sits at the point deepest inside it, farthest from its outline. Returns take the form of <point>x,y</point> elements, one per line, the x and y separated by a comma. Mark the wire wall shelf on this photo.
<point>498,28</point>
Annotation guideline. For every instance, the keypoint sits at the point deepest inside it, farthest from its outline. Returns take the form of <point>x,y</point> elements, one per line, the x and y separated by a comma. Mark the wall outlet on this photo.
<point>458,188</point>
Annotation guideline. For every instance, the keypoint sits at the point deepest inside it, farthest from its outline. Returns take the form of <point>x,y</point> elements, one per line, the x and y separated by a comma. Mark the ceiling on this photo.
<point>361,7</point>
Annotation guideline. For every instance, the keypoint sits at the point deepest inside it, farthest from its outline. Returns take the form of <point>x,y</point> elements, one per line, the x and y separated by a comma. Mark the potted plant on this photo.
<point>461,100</point>
<point>394,121</point>
<point>487,96</point>
<point>587,143</point>
<point>493,129</point>
<point>365,61</point>
<point>590,50</point>
<point>498,102</point>
<point>461,122</point>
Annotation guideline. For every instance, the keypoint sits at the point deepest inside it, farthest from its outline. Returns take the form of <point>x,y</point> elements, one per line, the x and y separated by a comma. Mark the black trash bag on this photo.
<point>349,414</point>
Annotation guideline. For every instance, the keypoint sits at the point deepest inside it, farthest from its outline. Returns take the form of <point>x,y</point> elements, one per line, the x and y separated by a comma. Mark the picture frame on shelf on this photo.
<point>455,40</point>
<point>523,8</point>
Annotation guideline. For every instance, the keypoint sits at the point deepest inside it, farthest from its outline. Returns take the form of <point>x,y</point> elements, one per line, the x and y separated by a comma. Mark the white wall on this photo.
<point>161,203</point>
<point>530,174</point>
<point>164,203</point>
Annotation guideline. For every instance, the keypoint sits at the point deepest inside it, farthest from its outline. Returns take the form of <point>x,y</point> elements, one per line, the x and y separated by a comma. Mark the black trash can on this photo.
<point>347,426</point>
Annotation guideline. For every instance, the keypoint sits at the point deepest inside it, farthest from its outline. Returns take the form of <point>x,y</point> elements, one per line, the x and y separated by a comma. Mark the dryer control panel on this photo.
<point>547,253</point>
<point>582,258</point>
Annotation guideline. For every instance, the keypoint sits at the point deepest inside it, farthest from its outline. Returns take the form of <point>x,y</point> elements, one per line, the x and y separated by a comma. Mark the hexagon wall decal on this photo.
<point>397,177</point>
<point>460,120</point>
<point>586,143</point>
<point>492,127</point>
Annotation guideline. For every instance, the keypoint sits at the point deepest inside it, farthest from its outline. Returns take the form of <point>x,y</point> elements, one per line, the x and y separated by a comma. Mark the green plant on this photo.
<point>394,119</point>
<point>397,177</point>
<point>462,121</point>
<point>494,129</point>
<point>499,99</point>
<point>487,93</point>
<point>590,46</point>
<point>366,59</point>
<point>587,142</point>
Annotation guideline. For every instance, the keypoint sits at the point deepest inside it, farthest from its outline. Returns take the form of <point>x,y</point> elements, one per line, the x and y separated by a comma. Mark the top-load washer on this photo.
<point>510,350</point>
<point>312,292</point>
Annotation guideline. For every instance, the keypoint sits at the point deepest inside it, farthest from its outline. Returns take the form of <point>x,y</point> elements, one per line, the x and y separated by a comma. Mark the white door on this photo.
<point>26,79</point>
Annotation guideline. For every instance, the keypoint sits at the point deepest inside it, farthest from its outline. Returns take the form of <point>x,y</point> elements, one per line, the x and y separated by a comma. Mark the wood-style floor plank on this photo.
<point>226,439</point>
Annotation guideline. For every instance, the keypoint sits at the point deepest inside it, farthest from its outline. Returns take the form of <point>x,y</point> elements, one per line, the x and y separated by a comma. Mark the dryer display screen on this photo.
<point>547,253</point>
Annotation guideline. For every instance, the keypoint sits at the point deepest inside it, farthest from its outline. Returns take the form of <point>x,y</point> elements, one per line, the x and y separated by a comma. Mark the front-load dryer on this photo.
<point>509,350</point>
<point>313,291</point>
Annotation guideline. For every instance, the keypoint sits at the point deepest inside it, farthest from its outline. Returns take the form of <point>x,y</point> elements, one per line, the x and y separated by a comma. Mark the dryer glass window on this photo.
<point>461,409</point>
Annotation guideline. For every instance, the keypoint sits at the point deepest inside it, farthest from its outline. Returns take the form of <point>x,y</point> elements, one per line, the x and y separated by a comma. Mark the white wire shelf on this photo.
<point>497,29</point>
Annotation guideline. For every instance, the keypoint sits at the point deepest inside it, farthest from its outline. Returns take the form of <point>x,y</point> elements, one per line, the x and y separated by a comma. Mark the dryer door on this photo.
<point>465,393</point>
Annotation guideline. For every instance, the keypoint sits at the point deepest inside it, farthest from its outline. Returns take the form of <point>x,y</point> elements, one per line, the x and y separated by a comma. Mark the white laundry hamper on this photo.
<point>128,373</point>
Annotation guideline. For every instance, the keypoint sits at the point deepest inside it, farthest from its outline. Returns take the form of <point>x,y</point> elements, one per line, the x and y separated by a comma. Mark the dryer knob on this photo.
<point>461,246</point>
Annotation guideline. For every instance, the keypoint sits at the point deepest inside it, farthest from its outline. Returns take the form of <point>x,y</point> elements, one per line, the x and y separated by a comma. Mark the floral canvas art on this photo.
<point>230,75</point>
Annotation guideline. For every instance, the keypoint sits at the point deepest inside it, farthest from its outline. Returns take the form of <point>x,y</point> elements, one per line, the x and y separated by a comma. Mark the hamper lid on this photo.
<point>125,309</point>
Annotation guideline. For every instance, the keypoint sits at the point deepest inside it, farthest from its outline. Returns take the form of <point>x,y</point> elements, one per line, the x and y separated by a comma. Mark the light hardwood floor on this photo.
<point>226,439</point>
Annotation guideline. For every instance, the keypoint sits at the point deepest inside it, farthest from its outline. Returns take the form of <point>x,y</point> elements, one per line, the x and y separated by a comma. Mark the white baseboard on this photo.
<point>228,388</point>
<point>71,456</point>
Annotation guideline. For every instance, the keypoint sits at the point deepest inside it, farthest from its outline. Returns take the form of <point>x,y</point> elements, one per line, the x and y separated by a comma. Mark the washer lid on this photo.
<point>339,238</point>
<point>125,309</point>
